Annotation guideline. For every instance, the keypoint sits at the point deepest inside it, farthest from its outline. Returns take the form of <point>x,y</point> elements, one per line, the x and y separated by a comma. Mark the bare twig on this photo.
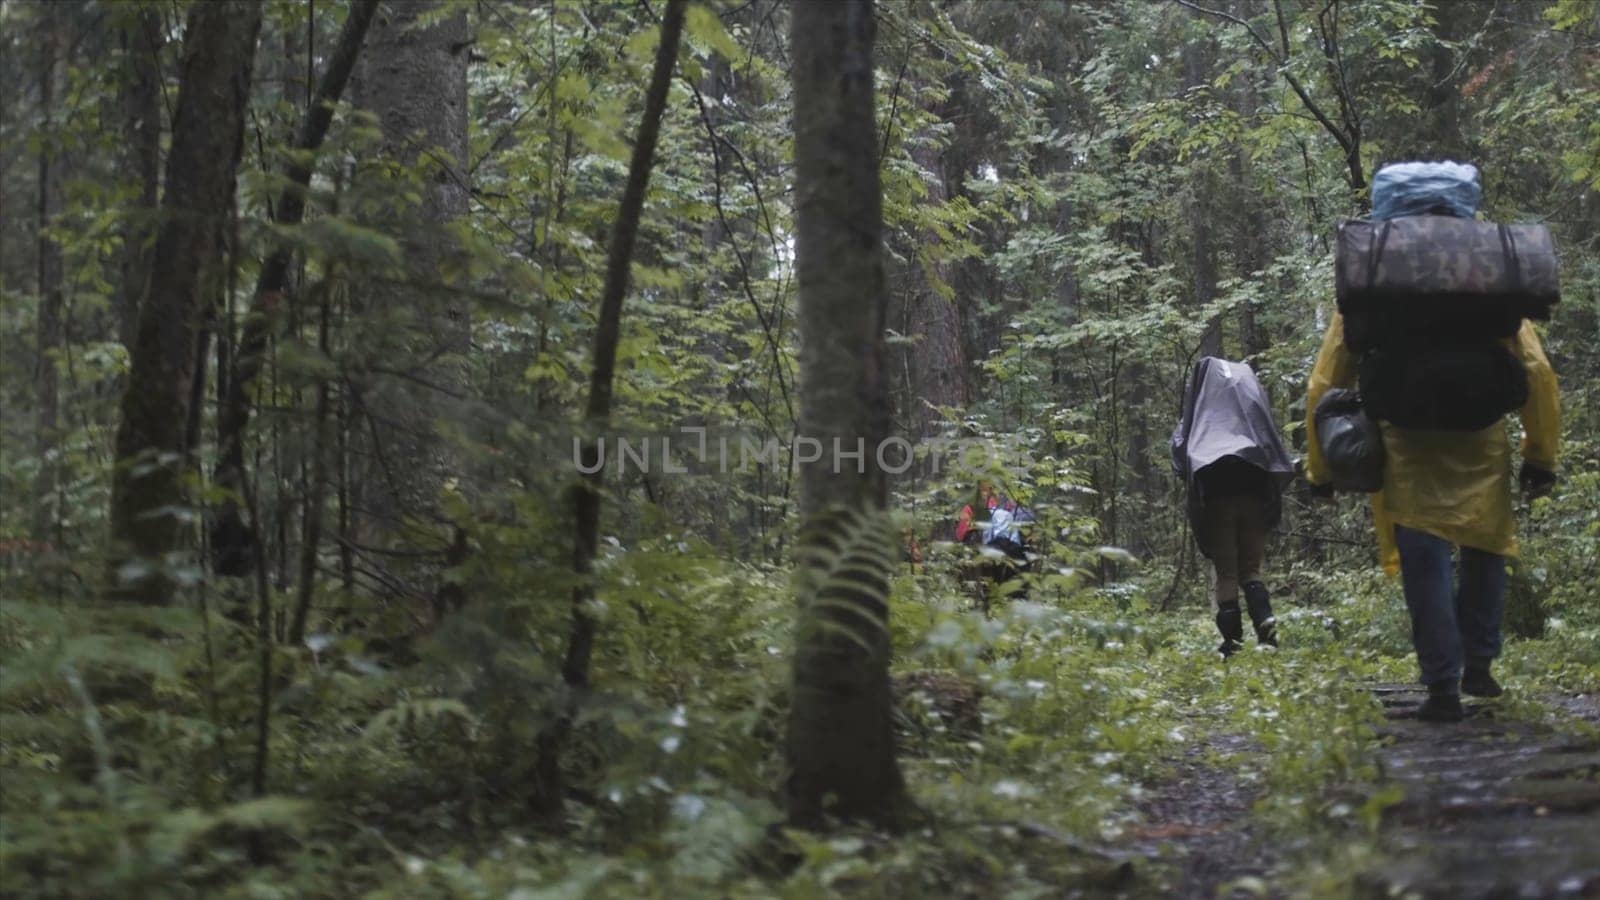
<point>1337,133</point>
<point>773,343</point>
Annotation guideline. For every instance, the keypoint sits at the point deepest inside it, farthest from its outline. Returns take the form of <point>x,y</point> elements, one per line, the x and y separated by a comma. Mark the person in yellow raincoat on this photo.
<point>1444,489</point>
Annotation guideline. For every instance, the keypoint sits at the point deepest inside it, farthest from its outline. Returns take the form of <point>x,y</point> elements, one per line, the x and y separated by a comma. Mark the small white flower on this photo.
<point>1008,789</point>
<point>688,807</point>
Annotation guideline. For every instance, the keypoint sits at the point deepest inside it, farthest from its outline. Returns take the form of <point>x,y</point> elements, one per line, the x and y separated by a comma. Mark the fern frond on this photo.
<point>34,670</point>
<point>845,561</point>
<point>409,713</point>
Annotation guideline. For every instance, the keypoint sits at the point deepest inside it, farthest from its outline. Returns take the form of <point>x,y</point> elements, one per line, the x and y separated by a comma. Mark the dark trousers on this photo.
<point>1232,531</point>
<point>1450,622</point>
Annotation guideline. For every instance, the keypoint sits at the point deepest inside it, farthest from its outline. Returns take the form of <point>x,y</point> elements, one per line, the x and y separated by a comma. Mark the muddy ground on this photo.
<point>1492,807</point>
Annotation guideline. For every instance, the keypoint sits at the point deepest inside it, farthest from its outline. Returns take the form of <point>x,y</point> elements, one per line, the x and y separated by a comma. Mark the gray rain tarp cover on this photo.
<point>1226,413</point>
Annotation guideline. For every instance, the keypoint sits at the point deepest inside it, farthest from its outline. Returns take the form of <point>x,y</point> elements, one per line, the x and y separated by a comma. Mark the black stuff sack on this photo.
<point>1351,442</point>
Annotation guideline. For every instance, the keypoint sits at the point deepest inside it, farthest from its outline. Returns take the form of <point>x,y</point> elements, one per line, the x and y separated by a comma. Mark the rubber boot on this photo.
<point>1476,680</point>
<point>1266,624</point>
<point>1231,624</point>
<point>1443,703</point>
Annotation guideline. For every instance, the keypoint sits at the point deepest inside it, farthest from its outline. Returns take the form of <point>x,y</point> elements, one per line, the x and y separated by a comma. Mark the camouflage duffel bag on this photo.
<point>1441,277</point>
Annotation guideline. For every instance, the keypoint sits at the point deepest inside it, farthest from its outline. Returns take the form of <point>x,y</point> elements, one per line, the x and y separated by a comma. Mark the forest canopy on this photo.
<point>483,448</point>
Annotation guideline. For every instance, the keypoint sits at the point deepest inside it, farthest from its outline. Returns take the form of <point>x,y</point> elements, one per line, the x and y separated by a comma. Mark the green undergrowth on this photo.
<point>1030,739</point>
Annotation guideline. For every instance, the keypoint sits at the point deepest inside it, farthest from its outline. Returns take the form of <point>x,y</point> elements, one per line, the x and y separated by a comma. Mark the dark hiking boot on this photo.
<point>1231,624</point>
<point>1266,624</point>
<point>1443,703</point>
<point>1477,682</point>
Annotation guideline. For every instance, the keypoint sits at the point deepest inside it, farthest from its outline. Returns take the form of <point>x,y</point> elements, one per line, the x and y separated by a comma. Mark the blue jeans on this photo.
<point>1448,624</point>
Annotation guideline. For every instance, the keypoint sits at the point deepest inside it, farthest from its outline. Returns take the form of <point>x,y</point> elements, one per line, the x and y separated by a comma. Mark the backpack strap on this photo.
<point>1375,254</point>
<point>1508,245</point>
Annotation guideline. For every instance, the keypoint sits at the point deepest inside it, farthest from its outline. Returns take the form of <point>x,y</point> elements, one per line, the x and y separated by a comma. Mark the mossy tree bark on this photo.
<point>841,742</point>
<point>930,316</point>
<point>148,502</point>
<point>142,39</point>
<point>411,362</point>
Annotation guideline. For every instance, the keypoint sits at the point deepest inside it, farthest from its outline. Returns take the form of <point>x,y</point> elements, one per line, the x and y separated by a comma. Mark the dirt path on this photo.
<point>1492,807</point>
<point>1198,820</point>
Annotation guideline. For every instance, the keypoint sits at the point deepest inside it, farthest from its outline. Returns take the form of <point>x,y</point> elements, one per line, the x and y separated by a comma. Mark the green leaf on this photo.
<point>704,30</point>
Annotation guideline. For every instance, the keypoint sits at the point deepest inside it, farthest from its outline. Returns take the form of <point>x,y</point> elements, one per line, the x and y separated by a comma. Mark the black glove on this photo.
<point>1536,481</point>
<point>1322,491</point>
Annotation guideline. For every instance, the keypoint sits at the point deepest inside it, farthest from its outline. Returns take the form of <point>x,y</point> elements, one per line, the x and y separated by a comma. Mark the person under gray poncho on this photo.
<point>1227,451</point>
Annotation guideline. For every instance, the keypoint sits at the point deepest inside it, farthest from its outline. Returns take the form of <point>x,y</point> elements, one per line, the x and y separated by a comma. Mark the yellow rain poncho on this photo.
<point>1454,484</point>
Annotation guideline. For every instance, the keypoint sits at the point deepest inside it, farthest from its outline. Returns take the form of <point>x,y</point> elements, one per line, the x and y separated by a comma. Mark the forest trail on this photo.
<point>1495,806</point>
<point>1199,817</point>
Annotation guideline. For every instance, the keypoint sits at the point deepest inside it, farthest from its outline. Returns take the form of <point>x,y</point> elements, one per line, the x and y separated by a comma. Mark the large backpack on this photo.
<point>1428,301</point>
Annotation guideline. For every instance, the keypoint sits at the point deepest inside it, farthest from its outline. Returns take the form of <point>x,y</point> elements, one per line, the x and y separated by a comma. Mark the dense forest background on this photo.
<point>305,308</point>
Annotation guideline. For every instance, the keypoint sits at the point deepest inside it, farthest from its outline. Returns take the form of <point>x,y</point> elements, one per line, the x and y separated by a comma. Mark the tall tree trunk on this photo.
<point>938,365</point>
<point>1254,236</point>
<point>413,78</point>
<point>316,495</point>
<point>1141,467</point>
<point>49,334</point>
<point>230,537</point>
<point>142,40</point>
<point>841,742</point>
<point>586,507</point>
<point>147,494</point>
<point>1196,72</point>
<point>1441,136</point>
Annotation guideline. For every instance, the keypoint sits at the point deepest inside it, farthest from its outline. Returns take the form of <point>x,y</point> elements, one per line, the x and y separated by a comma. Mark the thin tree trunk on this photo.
<point>341,450</point>
<point>1197,72</point>
<point>230,537</point>
<point>207,137</point>
<point>1442,137</point>
<point>316,495</point>
<point>263,742</point>
<point>1253,250</point>
<point>49,335</point>
<point>142,40</point>
<point>580,646</point>
<point>1253,232</point>
<point>841,741</point>
<point>347,553</point>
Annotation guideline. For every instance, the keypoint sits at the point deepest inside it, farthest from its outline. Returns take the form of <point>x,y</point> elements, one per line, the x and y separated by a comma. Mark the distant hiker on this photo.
<point>1233,465</point>
<point>1441,352</point>
<point>992,520</point>
<point>976,512</point>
